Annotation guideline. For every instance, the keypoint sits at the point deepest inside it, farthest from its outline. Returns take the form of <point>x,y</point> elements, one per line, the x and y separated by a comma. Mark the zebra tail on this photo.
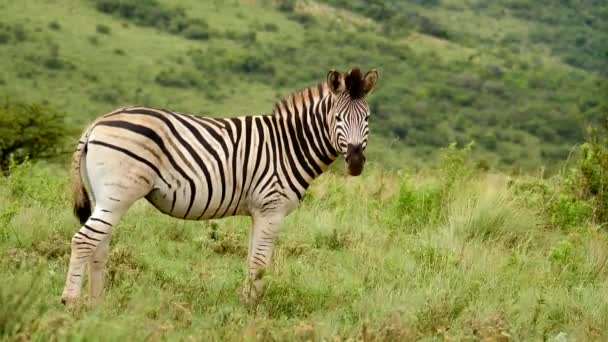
<point>82,202</point>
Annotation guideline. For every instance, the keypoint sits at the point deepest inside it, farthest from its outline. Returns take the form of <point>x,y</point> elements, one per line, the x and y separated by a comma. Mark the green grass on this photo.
<point>382,256</point>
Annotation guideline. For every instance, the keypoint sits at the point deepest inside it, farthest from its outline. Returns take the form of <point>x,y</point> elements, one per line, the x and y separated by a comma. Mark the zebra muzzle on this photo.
<point>355,159</point>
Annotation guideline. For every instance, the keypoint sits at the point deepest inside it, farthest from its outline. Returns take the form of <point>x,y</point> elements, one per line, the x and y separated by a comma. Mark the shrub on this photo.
<point>30,131</point>
<point>102,29</point>
<point>302,18</point>
<point>592,175</point>
<point>110,95</point>
<point>12,33</point>
<point>418,206</point>
<point>271,27</point>
<point>175,79</point>
<point>152,13</point>
<point>20,304</point>
<point>54,25</point>
<point>255,65</point>
<point>197,29</point>
<point>4,37</point>
<point>432,28</point>
<point>287,6</point>
<point>54,62</point>
<point>245,37</point>
<point>455,166</point>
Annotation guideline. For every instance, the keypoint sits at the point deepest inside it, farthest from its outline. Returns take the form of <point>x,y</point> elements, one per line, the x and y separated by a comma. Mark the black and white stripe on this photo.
<point>197,168</point>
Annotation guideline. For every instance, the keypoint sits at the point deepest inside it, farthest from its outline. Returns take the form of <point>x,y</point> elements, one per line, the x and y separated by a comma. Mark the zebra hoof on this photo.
<point>253,292</point>
<point>69,301</point>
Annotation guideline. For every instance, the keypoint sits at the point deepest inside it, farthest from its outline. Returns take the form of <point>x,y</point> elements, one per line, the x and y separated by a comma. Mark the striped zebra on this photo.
<point>198,168</point>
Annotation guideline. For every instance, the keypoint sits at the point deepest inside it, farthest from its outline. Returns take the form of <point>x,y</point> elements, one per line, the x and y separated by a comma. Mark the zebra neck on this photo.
<point>303,133</point>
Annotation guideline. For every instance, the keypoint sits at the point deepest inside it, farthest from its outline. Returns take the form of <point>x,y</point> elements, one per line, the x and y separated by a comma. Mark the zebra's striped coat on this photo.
<point>200,168</point>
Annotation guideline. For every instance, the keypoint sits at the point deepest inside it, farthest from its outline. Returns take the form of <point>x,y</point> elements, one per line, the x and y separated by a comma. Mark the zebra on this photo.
<point>199,168</point>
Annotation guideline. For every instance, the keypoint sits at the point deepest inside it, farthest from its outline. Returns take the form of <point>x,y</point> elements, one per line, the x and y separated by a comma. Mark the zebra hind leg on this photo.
<point>90,246</point>
<point>97,265</point>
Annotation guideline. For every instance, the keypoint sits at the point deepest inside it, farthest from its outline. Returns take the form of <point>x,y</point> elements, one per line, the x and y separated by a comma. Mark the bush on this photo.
<point>418,205</point>
<point>255,65</point>
<point>592,176</point>
<point>287,6</point>
<point>20,304</point>
<point>455,166</point>
<point>12,33</point>
<point>197,29</point>
<point>432,28</point>
<point>152,13</point>
<point>111,95</point>
<point>176,79</point>
<point>271,27</point>
<point>245,38</point>
<point>54,25</point>
<point>102,29</point>
<point>53,61</point>
<point>30,131</point>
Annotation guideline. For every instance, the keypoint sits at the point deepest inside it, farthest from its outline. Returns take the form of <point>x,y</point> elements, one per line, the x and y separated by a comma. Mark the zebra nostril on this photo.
<point>354,149</point>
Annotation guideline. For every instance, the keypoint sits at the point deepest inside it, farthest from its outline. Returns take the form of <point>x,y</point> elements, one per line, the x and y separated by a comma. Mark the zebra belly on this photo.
<point>177,203</point>
<point>162,200</point>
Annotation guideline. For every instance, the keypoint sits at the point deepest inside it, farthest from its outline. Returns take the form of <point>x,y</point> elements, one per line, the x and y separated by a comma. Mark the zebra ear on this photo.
<point>369,81</point>
<point>335,81</point>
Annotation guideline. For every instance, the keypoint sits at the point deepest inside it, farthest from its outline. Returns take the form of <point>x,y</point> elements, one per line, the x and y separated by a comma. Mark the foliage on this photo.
<point>102,29</point>
<point>30,131</point>
<point>152,13</point>
<point>450,71</point>
<point>592,174</point>
<point>12,33</point>
<point>580,195</point>
<point>580,41</point>
<point>381,256</point>
<point>455,165</point>
<point>20,305</point>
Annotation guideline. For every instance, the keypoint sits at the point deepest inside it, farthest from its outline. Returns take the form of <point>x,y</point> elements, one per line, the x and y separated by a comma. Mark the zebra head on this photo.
<point>349,114</point>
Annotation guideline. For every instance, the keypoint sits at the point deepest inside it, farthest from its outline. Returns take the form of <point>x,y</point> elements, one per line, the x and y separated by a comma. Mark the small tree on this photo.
<point>592,170</point>
<point>30,131</point>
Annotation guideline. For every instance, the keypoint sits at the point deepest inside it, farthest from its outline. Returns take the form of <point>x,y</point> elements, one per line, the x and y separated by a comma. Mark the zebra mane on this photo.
<point>354,83</point>
<point>298,95</point>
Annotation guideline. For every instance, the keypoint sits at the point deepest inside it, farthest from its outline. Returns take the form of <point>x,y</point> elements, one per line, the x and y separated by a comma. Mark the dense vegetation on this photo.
<point>519,78</point>
<point>30,131</point>
<point>431,242</point>
<point>454,253</point>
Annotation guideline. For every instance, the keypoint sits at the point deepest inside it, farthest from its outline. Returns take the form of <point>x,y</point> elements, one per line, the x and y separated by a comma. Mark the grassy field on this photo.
<point>452,253</point>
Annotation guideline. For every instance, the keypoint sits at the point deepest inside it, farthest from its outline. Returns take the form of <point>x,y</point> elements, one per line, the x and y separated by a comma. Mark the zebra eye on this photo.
<point>366,119</point>
<point>338,118</point>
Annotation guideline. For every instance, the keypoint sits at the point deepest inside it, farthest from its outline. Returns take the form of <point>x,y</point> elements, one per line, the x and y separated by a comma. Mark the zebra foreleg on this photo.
<point>263,233</point>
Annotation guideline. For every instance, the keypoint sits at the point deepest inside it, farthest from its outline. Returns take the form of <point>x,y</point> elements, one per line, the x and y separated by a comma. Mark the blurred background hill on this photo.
<point>521,78</point>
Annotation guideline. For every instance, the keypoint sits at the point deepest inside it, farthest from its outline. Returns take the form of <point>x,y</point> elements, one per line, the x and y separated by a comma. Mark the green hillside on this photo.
<point>519,78</point>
